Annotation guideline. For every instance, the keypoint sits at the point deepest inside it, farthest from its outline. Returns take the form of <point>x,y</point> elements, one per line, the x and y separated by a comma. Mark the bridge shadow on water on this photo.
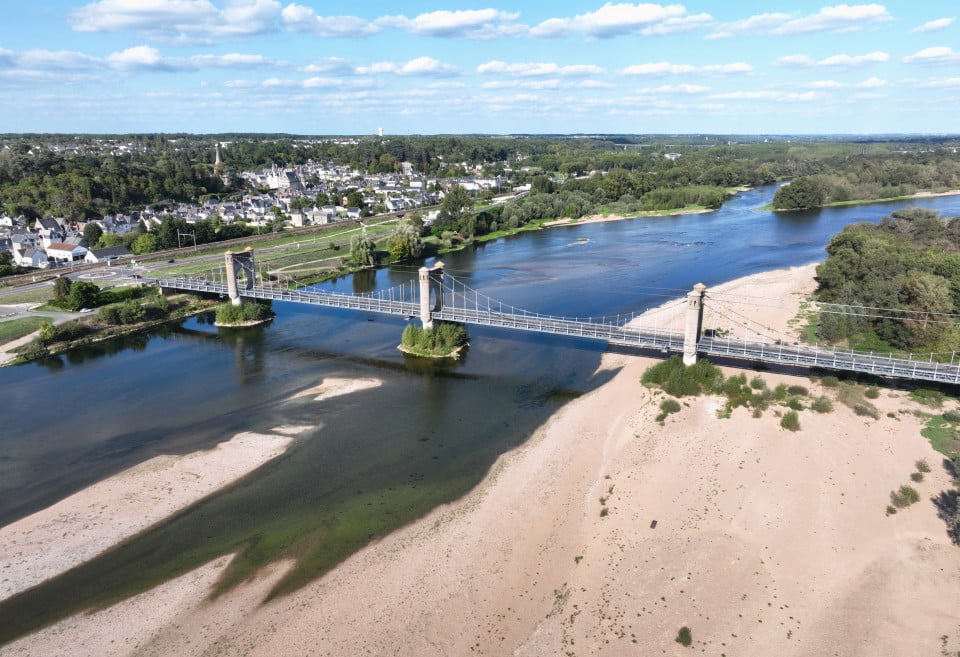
<point>377,460</point>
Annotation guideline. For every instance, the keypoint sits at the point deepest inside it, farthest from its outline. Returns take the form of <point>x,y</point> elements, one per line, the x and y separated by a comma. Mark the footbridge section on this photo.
<point>436,296</point>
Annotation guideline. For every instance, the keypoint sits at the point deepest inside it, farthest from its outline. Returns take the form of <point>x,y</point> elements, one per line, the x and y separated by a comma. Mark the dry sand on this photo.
<point>765,542</point>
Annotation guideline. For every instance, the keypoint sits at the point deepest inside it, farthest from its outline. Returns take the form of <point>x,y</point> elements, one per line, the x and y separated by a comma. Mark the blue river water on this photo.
<point>381,457</point>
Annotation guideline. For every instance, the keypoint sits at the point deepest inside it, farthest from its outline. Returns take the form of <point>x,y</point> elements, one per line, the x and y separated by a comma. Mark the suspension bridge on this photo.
<point>437,296</point>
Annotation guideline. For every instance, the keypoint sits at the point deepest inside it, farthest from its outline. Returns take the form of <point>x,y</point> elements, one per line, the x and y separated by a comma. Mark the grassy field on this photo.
<point>17,328</point>
<point>37,295</point>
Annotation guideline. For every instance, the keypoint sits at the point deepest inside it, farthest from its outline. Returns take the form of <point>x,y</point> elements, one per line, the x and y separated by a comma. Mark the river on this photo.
<point>380,457</point>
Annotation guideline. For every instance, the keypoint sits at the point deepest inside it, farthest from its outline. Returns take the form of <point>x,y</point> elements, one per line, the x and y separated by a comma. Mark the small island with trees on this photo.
<point>444,340</point>
<point>249,313</point>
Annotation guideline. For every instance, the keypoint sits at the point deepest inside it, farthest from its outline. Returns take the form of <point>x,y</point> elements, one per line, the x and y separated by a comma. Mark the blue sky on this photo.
<point>312,67</point>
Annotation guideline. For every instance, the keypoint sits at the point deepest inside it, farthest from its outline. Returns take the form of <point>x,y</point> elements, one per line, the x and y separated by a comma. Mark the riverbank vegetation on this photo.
<point>120,313</point>
<point>444,340</point>
<point>858,179</point>
<point>894,285</point>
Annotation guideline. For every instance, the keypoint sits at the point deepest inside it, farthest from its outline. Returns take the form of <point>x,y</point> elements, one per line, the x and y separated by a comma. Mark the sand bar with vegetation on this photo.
<point>607,532</point>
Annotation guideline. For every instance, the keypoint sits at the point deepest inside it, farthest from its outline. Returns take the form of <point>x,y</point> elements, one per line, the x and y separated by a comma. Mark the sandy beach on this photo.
<point>605,533</point>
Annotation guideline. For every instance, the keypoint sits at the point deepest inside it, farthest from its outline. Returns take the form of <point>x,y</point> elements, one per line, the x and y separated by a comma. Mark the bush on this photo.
<point>927,397</point>
<point>872,392</point>
<point>684,638</point>
<point>795,404</point>
<point>830,382</point>
<point>952,416</point>
<point>667,406</point>
<point>904,496</point>
<point>780,392</point>
<point>922,465</point>
<point>916,476</point>
<point>822,405</point>
<point>790,421</point>
<point>866,409</point>
<point>798,390</point>
<point>757,383</point>
<point>678,380</point>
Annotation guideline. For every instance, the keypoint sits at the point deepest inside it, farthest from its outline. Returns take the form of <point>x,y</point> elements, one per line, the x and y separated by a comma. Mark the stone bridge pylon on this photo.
<point>431,281</point>
<point>241,273</point>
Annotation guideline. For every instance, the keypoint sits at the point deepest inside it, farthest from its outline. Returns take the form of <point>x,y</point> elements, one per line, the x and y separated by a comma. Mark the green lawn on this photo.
<point>36,295</point>
<point>17,328</point>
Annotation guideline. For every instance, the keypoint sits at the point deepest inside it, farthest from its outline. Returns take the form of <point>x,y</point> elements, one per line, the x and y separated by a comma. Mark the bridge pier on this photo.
<point>693,324</point>
<point>431,280</point>
<point>237,265</point>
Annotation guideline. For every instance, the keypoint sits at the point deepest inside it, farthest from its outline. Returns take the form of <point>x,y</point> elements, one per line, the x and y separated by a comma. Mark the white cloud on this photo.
<point>667,68</point>
<point>825,84</point>
<point>63,60</point>
<point>552,83</point>
<point>336,65</point>
<point>940,83</point>
<point>470,23</point>
<point>538,69</point>
<point>595,84</point>
<point>420,66</point>
<point>778,96</point>
<point>613,20</point>
<point>688,89</point>
<point>298,18</point>
<point>139,57</point>
<point>934,55</point>
<point>872,83</point>
<point>840,18</point>
<point>231,60</point>
<point>934,25</point>
<point>801,61</point>
<point>836,61</point>
<point>177,21</point>
<point>852,61</point>
<point>277,82</point>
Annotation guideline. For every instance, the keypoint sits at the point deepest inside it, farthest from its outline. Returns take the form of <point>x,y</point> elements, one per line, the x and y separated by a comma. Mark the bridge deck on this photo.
<point>762,352</point>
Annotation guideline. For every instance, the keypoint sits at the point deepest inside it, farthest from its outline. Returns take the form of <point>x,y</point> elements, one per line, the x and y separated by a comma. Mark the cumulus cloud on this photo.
<point>298,18</point>
<point>668,68</point>
<point>778,96</point>
<point>835,61</point>
<point>941,83</point>
<point>934,55</point>
<point>420,66</point>
<point>852,61</point>
<point>469,23</point>
<point>148,58</point>
<point>613,20</point>
<point>872,83</point>
<point>840,18</point>
<point>139,57</point>
<point>61,60</point>
<point>688,89</point>
<point>330,65</point>
<point>799,61</point>
<point>934,25</point>
<point>825,84</point>
<point>538,69</point>
<point>177,21</point>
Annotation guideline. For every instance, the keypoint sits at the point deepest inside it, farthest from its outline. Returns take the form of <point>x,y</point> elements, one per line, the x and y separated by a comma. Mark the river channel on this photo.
<point>377,458</point>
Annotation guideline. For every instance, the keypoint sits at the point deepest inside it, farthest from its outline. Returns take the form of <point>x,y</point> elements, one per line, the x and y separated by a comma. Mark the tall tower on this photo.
<point>217,163</point>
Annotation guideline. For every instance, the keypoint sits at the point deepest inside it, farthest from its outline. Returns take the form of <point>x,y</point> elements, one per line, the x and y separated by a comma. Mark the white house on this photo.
<point>62,252</point>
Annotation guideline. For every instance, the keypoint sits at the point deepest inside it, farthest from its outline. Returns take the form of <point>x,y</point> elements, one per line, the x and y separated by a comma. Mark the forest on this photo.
<point>900,279</point>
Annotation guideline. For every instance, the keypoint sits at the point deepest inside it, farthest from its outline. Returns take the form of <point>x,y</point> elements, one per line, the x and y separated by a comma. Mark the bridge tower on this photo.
<point>239,265</point>
<point>431,280</point>
<point>694,323</point>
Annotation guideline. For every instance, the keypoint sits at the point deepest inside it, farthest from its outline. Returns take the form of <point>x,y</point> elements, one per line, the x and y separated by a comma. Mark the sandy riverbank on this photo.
<point>600,218</point>
<point>765,542</point>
